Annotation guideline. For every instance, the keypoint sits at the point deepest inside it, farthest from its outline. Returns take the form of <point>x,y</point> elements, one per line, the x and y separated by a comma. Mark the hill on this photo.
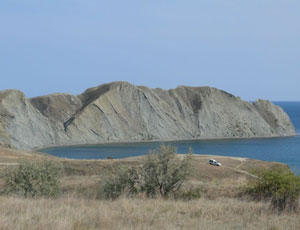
<point>120,111</point>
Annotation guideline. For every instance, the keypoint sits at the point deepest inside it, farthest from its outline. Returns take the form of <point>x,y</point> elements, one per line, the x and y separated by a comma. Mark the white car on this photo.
<point>214,162</point>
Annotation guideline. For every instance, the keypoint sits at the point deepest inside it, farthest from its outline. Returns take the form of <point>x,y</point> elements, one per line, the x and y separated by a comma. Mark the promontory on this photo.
<point>122,112</point>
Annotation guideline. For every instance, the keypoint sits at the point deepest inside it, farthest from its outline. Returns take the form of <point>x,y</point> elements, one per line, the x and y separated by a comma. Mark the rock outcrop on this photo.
<point>120,112</point>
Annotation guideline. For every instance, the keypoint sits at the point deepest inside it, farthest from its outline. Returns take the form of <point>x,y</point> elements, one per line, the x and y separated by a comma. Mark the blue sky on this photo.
<point>249,48</point>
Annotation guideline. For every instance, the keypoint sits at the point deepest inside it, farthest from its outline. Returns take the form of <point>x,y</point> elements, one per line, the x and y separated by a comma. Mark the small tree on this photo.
<point>164,172</point>
<point>280,186</point>
<point>33,179</point>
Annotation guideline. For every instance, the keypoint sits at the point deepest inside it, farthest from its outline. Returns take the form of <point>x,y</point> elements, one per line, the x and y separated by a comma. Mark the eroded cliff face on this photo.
<point>21,124</point>
<point>119,112</point>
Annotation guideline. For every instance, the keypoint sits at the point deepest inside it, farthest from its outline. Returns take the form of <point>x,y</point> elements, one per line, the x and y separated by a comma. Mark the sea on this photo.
<point>280,149</point>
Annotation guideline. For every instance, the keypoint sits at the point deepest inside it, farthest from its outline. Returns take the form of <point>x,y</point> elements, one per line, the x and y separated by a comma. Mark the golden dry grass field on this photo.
<point>77,208</point>
<point>69,213</point>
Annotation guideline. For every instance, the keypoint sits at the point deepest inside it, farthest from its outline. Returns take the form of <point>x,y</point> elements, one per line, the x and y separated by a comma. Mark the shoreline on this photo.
<point>22,153</point>
<point>165,140</point>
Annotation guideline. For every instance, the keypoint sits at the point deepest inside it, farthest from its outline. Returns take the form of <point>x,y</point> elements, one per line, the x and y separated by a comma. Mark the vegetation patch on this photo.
<point>33,179</point>
<point>279,185</point>
<point>125,181</point>
<point>162,173</point>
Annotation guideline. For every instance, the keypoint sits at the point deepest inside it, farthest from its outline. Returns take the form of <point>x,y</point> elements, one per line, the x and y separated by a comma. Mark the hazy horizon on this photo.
<point>248,48</point>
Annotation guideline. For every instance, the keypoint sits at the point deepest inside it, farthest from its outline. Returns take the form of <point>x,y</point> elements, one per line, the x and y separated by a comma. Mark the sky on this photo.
<point>248,48</point>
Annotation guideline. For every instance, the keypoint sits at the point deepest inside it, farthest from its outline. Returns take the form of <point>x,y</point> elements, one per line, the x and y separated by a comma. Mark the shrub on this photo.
<point>126,180</point>
<point>164,172</point>
<point>33,179</point>
<point>280,186</point>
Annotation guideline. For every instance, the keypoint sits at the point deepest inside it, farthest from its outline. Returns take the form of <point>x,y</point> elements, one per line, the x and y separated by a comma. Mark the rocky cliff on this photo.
<point>120,112</point>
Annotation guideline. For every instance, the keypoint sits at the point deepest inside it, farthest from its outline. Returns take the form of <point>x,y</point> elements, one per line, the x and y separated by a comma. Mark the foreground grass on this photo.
<point>82,214</point>
<point>78,209</point>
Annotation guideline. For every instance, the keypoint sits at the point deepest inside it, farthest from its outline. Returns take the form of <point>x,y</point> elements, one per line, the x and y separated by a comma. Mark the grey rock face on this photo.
<point>119,112</point>
<point>22,125</point>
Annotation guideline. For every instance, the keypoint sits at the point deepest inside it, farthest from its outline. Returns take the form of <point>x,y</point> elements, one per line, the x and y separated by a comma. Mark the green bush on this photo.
<point>125,181</point>
<point>279,185</point>
<point>33,179</point>
<point>163,173</point>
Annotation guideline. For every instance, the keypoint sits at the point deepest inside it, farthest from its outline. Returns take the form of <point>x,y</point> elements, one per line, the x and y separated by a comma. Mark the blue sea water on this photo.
<point>285,150</point>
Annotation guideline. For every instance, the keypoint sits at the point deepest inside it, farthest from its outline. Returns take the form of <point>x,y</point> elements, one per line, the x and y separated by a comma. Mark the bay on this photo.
<point>283,149</point>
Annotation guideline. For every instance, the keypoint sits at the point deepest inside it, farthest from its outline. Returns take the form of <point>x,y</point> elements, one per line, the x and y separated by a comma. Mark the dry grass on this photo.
<point>79,210</point>
<point>82,176</point>
<point>83,214</point>
<point>9,156</point>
